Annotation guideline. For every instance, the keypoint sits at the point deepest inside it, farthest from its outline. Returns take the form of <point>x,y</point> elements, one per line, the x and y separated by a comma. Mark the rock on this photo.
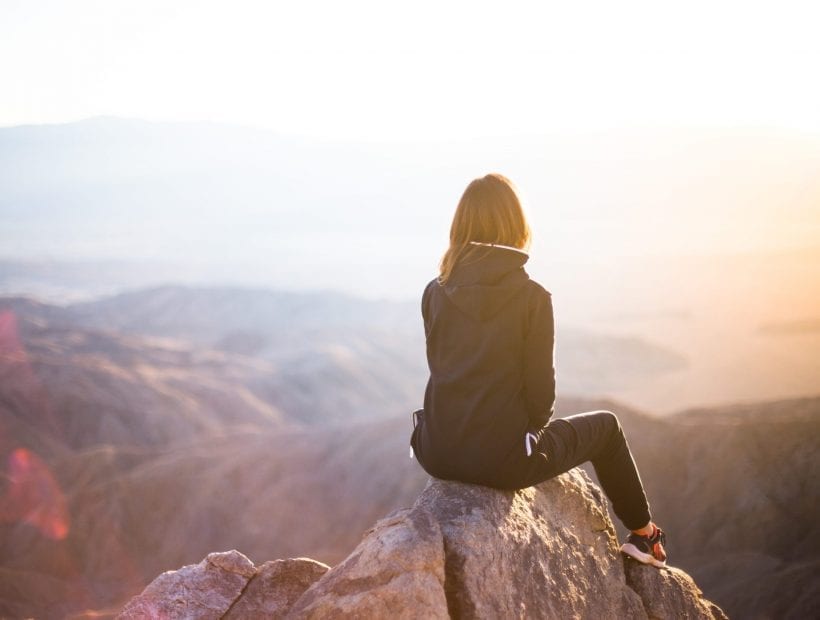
<point>275,587</point>
<point>396,572</point>
<point>205,590</point>
<point>553,548</point>
<point>462,551</point>
<point>669,593</point>
<point>543,552</point>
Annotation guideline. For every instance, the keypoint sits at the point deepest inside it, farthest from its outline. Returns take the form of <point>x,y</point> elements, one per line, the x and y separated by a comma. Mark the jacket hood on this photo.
<point>485,281</point>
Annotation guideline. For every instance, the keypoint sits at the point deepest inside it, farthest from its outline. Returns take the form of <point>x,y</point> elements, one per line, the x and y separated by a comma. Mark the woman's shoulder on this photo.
<point>537,289</point>
<point>431,286</point>
<point>425,297</point>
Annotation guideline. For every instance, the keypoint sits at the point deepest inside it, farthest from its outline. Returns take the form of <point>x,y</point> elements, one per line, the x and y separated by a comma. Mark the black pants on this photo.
<point>594,436</point>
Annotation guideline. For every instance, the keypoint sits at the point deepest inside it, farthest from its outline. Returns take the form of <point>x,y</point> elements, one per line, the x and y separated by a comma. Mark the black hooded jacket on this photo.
<point>490,339</point>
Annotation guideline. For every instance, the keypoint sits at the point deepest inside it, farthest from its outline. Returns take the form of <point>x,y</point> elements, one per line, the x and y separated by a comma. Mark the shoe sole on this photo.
<point>644,558</point>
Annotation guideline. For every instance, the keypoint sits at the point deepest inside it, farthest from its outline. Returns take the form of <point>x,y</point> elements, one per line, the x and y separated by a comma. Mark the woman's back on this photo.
<point>489,383</point>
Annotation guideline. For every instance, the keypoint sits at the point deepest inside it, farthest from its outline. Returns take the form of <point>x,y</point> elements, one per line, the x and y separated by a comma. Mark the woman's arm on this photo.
<point>425,305</point>
<point>539,365</point>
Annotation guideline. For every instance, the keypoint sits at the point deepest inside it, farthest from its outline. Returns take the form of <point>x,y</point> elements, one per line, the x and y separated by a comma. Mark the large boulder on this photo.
<point>467,551</point>
<point>205,590</point>
<point>398,571</point>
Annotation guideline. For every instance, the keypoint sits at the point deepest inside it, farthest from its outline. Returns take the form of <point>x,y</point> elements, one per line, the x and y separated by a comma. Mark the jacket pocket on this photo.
<point>531,439</point>
<point>416,419</point>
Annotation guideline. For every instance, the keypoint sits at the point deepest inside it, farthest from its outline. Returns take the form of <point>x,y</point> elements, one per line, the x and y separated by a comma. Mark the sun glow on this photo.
<point>374,70</point>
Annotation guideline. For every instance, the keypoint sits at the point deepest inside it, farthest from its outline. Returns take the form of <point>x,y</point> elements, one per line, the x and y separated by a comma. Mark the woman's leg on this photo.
<point>597,436</point>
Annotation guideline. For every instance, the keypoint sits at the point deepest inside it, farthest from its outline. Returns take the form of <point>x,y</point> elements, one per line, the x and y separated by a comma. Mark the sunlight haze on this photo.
<point>375,70</point>
<point>221,307</point>
<point>669,158</point>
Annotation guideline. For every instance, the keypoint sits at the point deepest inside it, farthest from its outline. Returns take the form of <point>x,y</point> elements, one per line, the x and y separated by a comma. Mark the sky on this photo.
<point>376,70</point>
<point>656,101</point>
<point>653,142</point>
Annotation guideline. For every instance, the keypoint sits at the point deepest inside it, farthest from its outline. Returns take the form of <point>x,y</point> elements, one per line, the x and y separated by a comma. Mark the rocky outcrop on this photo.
<point>461,551</point>
<point>226,585</point>
<point>275,587</point>
<point>669,593</point>
<point>398,571</point>
<point>205,590</point>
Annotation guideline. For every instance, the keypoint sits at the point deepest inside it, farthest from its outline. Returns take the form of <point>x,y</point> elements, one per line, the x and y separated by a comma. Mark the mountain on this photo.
<point>244,202</point>
<point>137,513</point>
<point>127,188</point>
<point>313,492</point>
<point>738,475</point>
<point>127,450</point>
<point>724,481</point>
<point>681,240</point>
<point>83,388</point>
<point>312,357</point>
<point>287,368</point>
<point>237,204</point>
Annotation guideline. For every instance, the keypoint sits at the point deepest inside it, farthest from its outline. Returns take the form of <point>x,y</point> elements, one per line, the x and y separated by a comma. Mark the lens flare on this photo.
<point>33,496</point>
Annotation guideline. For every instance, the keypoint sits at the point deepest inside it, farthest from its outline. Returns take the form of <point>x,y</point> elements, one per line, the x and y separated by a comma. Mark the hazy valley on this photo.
<point>176,376</point>
<point>698,243</point>
<point>157,426</point>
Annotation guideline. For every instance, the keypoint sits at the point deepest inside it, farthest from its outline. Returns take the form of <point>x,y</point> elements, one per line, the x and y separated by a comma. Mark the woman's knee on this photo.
<point>610,421</point>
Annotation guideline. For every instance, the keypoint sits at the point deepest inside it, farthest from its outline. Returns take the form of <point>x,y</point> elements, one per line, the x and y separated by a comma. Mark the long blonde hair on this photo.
<point>489,212</point>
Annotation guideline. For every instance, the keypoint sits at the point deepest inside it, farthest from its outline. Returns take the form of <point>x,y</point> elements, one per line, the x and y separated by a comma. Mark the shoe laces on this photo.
<point>656,543</point>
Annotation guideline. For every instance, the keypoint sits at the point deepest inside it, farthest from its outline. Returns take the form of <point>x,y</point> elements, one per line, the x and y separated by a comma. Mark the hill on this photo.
<point>128,451</point>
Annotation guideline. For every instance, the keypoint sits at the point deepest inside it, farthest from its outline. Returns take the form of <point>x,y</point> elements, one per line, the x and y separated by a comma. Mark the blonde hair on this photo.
<point>489,212</point>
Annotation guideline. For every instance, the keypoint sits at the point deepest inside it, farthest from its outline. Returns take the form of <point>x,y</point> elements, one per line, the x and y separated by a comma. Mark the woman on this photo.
<point>491,393</point>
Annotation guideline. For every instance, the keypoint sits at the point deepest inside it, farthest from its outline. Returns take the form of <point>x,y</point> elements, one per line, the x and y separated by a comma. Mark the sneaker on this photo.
<point>647,549</point>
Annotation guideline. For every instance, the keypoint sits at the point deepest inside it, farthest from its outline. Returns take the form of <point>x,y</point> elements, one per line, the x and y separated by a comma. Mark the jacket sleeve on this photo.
<point>425,306</point>
<point>539,361</point>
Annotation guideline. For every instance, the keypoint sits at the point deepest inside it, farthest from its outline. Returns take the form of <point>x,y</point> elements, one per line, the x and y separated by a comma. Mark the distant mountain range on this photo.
<point>678,260</point>
<point>237,204</point>
<point>725,481</point>
<point>230,203</point>
<point>316,356</point>
<point>155,426</point>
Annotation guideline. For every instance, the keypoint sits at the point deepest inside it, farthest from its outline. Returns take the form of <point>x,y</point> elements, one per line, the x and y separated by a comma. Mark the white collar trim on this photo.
<point>498,245</point>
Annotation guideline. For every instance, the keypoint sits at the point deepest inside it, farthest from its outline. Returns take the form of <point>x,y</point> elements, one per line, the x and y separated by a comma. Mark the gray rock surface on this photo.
<point>205,591</point>
<point>275,587</point>
<point>398,571</point>
<point>544,552</point>
<point>669,593</point>
<point>461,551</point>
